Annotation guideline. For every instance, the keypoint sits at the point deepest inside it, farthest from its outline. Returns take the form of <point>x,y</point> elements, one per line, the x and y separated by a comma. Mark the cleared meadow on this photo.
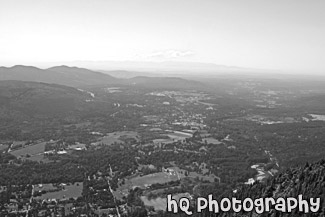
<point>31,152</point>
<point>69,191</point>
<point>117,137</point>
<point>144,181</point>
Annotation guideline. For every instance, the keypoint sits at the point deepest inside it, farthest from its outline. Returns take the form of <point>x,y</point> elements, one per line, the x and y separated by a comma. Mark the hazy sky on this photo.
<point>271,34</point>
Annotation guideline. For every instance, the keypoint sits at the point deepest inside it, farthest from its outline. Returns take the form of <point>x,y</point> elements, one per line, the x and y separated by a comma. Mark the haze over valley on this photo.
<point>159,134</point>
<point>107,107</point>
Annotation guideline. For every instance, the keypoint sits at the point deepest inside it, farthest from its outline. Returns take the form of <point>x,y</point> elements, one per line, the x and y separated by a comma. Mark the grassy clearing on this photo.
<point>118,137</point>
<point>165,141</point>
<point>144,181</point>
<point>30,150</point>
<point>69,191</point>
<point>178,135</point>
<point>16,144</point>
<point>211,140</point>
<point>152,178</point>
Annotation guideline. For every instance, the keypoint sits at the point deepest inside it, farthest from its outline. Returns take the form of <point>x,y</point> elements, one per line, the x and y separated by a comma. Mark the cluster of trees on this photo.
<point>5,158</point>
<point>30,172</point>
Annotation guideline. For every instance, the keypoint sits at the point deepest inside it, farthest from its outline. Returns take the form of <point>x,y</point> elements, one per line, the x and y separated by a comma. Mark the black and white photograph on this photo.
<point>162,108</point>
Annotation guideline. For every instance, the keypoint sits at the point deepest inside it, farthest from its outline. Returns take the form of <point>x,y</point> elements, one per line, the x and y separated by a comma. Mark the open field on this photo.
<point>165,141</point>
<point>211,140</point>
<point>30,150</point>
<point>144,181</point>
<point>178,135</point>
<point>17,144</point>
<point>118,137</point>
<point>113,89</point>
<point>151,179</point>
<point>69,191</point>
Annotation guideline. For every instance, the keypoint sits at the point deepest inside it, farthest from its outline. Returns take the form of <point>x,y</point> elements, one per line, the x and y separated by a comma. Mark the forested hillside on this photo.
<point>307,180</point>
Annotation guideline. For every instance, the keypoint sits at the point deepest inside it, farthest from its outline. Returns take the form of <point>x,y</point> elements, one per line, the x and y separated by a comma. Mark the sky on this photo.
<point>266,34</point>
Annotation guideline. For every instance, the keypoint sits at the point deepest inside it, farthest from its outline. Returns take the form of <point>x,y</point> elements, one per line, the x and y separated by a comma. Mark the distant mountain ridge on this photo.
<point>70,76</point>
<point>77,77</point>
<point>177,67</point>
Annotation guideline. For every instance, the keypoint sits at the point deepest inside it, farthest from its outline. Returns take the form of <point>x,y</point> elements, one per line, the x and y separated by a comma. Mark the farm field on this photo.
<point>144,181</point>
<point>211,140</point>
<point>176,135</point>
<point>69,191</point>
<point>35,152</point>
<point>165,141</point>
<point>118,137</point>
<point>16,144</point>
<point>151,179</point>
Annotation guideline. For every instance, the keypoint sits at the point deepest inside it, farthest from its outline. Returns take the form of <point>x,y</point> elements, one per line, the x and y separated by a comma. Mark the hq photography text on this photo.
<point>259,205</point>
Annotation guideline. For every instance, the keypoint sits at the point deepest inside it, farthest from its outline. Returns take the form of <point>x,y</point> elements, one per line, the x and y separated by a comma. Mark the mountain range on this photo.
<point>78,77</point>
<point>70,76</point>
<point>161,68</point>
